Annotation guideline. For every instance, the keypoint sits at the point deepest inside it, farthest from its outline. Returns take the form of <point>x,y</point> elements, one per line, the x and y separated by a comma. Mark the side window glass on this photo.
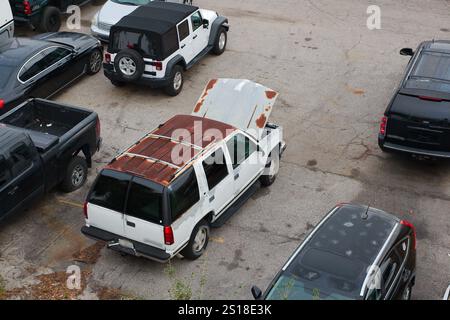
<point>184,193</point>
<point>110,191</point>
<point>196,19</point>
<point>42,61</point>
<point>5,175</point>
<point>30,69</point>
<point>215,168</point>
<point>183,30</point>
<point>240,148</point>
<point>144,202</point>
<point>389,269</point>
<point>21,158</point>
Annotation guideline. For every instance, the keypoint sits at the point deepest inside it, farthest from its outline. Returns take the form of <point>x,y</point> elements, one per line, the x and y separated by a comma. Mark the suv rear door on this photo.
<point>200,35</point>
<point>106,201</point>
<point>185,37</point>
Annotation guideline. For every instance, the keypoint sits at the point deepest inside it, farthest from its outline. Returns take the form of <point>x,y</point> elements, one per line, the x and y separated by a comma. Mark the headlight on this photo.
<point>95,19</point>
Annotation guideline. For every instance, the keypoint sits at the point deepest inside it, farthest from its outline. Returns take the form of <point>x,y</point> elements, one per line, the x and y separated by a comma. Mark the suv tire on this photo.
<point>198,241</point>
<point>129,64</point>
<point>176,81</point>
<point>76,174</point>
<point>94,64</point>
<point>50,20</point>
<point>272,168</point>
<point>221,42</point>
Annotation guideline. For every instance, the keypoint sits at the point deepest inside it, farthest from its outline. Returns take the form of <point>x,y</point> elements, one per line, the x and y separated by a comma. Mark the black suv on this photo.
<point>356,252</point>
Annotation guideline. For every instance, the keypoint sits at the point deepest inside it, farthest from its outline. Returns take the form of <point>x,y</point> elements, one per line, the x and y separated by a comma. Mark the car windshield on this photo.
<point>6,75</point>
<point>432,72</point>
<point>133,2</point>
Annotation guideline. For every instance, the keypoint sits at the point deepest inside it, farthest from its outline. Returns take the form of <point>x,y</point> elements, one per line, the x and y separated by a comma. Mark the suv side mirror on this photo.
<point>256,292</point>
<point>407,52</point>
<point>205,23</point>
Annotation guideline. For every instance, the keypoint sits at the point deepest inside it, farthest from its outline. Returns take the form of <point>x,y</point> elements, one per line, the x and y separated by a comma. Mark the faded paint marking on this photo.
<point>217,239</point>
<point>270,94</point>
<point>261,121</point>
<point>70,203</point>
<point>356,91</point>
<point>210,85</point>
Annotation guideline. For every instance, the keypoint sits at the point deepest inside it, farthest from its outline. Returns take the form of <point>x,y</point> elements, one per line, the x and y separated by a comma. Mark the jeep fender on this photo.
<point>215,27</point>
<point>178,59</point>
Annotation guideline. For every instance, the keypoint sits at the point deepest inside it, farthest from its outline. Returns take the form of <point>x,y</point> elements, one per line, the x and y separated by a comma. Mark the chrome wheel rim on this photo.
<point>96,62</point>
<point>200,239</point>
<point>406,293</point>
<point>77,176</point>
<point>177,81</point>
<point>222,41</point>
<point>127,66</point>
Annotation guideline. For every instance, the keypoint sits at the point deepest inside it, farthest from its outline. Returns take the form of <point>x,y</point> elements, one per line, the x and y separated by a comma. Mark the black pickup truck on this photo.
<point>40,147</point>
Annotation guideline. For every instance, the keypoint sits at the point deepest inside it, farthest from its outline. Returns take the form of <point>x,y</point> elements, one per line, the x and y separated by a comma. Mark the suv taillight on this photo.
<point>85,210</point>
<point>168,236</point>
<point>107,57</point>
<point>2,104</point>
<point>27,7</point>
<point>410,225</point>
<point>383,125</point>
<point>98,128</point>
<point>157,64</point>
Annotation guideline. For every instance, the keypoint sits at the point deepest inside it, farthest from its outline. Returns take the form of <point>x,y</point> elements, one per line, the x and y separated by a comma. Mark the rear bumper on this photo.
<point>140,249</point>
<point>388,146</point>
<point>109,72</point>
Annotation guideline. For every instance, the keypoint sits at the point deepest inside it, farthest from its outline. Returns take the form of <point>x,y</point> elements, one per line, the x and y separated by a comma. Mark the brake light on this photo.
<point>410,225</point>
<point>27,7</point>
<point>98,128</point>
<point>2,104</point>
<point>168,236</point>
<point>383,125</point>
<point>430,98</point>
<point>158,65</point>
<point>85,210</point>
<point>107,57</point>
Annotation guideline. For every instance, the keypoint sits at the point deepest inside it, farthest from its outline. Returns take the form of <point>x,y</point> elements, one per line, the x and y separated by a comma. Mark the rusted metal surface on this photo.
<point>166,150</point>
<point>241,103</point>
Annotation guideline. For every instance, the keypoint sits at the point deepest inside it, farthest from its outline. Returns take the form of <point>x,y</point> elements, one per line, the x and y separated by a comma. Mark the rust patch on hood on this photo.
<point>261,121</point>
<point>210,85</point>
<point>270,94</point>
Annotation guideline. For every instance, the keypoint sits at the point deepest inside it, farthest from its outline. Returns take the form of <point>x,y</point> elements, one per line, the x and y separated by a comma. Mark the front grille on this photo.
<point>104,26</point>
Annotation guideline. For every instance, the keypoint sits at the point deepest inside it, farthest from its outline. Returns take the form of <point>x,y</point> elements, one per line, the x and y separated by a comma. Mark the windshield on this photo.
<point>6,73</point>
<point>432,72</point>
<point>133,2</point>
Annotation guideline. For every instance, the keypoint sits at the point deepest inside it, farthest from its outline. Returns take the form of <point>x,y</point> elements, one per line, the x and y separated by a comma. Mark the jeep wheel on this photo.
<point>176,81</point>
<point>221,42</point>
<point>129,64</point>
<point>50,20</point>
<point>271,170</point>
<point>76,175</point>
<point>95,61</point>
<point>198,241</point>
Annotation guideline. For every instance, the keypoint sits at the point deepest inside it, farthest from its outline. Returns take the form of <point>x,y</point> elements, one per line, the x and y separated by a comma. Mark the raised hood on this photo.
<point>243,104</point>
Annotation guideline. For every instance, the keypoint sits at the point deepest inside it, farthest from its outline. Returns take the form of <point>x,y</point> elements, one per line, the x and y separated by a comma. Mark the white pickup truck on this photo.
<point>6,21</point>
<point>161,196</point>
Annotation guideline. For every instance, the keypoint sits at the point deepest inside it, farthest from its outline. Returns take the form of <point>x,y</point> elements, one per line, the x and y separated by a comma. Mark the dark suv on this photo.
<point>356,252</point>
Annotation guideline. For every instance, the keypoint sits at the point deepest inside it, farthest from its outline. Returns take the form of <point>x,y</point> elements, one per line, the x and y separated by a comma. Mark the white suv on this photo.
<point>157,42</point>
<point>161,196</point>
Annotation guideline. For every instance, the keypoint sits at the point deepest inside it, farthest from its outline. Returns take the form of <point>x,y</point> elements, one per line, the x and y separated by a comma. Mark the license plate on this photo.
<point>126,244</point>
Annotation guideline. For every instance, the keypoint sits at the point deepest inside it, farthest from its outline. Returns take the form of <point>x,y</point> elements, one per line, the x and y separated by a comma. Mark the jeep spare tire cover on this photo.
<point>129,65</point>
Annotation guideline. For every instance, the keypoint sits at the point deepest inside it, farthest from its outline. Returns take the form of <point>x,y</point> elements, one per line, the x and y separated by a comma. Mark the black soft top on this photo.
<point>156,17</point>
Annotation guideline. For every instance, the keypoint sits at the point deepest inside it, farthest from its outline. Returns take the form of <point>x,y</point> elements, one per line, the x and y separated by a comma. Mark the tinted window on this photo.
<point>184,193</point>
<point>215,168</point>
<point>5,176</point>
<point>433,65</point>
<point>196,19</point>
<point>42,61</point>
<point>21,158</point>
<point>183,30</point>
<point>170,42</point>
<point>110,191</point>
<point>240,148</point>
<point>141,42</point>
<point>144,202</point>
<point>389,269</point>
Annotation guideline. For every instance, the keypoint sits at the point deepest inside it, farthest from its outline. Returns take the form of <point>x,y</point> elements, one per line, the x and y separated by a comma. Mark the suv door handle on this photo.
<point>195,37</point>
<point>13,191</point>
<point>184,45</point>
<point>236,176</point>
<point>131,224</point>
<point>212,198</point>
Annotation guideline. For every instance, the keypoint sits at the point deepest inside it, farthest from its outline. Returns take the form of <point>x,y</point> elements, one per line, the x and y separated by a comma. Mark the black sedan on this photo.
<point>356,252</point>
<point>417,119</point>
<point>41,66</point>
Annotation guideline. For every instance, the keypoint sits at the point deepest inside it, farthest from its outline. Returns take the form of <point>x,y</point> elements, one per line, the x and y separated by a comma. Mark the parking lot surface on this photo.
<point>335,78</point>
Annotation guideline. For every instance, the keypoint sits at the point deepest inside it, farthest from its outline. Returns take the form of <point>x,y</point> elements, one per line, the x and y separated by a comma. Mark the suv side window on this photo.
<point>183,30</point>
<point>21,158</point>
<point>240,148</point>
<point>5,175</point>
<point>215,168</point>
<point>389,269</point>
<point>144,202</point>
<point>197,20</point>
<point>184,193</point>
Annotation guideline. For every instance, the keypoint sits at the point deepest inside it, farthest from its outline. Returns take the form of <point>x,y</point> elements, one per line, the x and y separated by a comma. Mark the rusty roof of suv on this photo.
<point>166,151</point>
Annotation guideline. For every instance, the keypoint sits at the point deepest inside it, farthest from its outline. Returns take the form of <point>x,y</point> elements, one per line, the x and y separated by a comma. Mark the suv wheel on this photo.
<point>129,64</point>
<point>221,42</point>
<point>176,81</point>
<point>50,20</point>
<point>95,62</point>
<point>198,241</point>
<point>76,175</point>
<point>271,171</point>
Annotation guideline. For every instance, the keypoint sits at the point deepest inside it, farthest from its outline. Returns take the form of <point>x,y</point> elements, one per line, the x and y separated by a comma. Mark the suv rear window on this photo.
<point>110,190</point>
<point>183,193</point>
<point>141,42</point>
<point>144,202</point>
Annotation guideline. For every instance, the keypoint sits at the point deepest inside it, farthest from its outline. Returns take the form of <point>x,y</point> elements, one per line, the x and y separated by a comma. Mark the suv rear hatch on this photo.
<point>420,120</point>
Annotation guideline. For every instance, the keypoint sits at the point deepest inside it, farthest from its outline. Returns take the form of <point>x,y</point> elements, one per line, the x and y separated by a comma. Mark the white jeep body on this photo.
<point>6,21</point>
<point>248,108</point>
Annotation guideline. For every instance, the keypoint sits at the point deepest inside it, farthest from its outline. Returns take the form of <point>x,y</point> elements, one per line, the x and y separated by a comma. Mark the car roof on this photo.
<point>14,51</point>
<point>340,250</point>
<point>158,17</point>
<point>152,157</point>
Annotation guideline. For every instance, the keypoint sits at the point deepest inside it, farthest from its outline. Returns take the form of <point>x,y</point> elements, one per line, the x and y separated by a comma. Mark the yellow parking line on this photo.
<point>71,203</point>
<point>217,239</point>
